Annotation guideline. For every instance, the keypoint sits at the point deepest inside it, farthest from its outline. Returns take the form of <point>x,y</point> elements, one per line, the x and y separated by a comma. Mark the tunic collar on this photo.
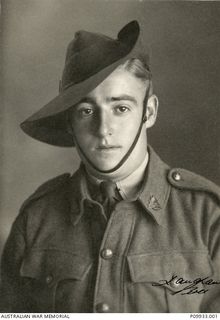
<point>156,189</point>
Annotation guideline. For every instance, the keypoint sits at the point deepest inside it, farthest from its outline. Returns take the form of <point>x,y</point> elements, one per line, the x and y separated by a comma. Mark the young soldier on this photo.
<point>125,233</point>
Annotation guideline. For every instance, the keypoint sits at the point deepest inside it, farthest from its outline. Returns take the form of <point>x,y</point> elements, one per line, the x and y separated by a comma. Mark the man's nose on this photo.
<point>104,124</point>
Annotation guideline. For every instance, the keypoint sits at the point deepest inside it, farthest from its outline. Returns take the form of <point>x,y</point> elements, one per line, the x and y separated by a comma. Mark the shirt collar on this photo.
<point>153,196</point>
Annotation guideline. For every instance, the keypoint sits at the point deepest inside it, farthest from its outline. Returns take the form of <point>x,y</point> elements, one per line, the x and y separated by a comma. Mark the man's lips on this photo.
<point>107,147</point>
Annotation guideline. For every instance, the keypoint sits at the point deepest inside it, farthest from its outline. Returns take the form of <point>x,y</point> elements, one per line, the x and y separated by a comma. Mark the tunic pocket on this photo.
<point>175,277</point>
<point>42,270</point>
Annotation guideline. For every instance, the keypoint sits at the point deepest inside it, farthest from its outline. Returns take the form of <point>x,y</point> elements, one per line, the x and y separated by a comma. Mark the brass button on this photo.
<point>176,176</point>
<point>49,279</point>
<point>106,254</point>
<point>102,307</point>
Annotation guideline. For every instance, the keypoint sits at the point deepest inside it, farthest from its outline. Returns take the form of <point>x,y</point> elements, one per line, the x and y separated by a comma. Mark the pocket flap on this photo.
<point>153,267</point>
<point>54,264</point>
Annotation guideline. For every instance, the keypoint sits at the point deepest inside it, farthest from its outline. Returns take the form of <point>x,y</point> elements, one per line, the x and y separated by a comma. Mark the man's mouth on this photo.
<point>107,147</point>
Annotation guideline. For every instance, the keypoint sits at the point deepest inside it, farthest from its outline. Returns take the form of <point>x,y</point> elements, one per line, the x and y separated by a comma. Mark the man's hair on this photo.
<point>139,69</point>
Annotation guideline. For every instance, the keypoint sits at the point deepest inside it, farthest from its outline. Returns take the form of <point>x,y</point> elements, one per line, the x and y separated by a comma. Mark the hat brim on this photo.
<point>49,123</point>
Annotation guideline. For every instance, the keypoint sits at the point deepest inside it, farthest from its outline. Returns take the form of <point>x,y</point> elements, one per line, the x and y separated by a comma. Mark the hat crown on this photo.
<point>83,40</point>
<point>90,52</point>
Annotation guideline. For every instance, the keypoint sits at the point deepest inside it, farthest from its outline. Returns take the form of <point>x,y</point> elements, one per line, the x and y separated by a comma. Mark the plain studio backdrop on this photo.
<point>184,40</point>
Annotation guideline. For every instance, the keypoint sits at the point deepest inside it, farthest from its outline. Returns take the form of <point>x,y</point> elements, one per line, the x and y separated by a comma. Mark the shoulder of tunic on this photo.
<point>47,187</point>
<point>186,180</point>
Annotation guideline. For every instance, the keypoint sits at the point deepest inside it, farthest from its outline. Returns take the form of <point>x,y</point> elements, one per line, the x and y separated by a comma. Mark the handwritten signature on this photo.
<point>185,286</point>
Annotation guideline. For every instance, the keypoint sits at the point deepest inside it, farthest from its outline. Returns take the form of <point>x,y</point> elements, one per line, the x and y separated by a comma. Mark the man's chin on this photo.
<point>101,164</point>
<point>104,161</point>
<point>106,166</point>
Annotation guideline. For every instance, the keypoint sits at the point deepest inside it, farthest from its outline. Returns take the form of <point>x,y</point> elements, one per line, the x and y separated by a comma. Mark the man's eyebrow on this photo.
<point>87,100</point>
<point>123,97</point>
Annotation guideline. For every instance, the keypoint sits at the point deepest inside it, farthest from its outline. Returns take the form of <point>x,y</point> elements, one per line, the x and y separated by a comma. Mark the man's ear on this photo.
<point>151,110</point>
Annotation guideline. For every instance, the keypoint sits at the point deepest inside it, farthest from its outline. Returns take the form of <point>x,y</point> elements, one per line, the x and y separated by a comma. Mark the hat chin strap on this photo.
<point>126,156</point>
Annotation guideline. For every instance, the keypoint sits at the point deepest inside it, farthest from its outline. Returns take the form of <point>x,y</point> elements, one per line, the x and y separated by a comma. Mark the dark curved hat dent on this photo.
<point>90,58</point>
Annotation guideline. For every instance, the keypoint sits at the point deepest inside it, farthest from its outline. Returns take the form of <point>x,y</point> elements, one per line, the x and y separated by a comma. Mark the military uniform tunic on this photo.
<point>159,253</point>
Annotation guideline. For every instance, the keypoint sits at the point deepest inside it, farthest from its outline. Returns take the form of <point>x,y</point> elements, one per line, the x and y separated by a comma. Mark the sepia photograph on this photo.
<point>110,156</point>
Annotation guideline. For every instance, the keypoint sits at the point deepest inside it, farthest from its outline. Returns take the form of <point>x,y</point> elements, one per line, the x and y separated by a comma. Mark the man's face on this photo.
<point>107,120</point>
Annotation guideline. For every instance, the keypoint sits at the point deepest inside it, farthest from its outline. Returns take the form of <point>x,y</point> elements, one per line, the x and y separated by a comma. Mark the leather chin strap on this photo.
<point>122,161</point>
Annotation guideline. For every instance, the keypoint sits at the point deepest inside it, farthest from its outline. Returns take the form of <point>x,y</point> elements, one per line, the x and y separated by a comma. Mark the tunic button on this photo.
<point>176,176</point>
<point>49,279</point>
<point>102,307</point>
<point>106,254</point>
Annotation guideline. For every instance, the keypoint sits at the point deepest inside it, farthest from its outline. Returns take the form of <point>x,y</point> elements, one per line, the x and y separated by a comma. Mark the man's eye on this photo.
<point>86,112</point>
<point>122,109</point>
